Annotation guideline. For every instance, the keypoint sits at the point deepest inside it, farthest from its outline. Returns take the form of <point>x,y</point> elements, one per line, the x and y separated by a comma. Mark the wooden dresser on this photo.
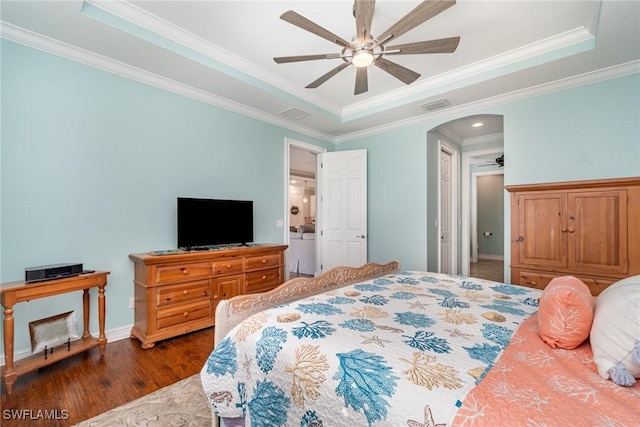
<point>178,293</point>
<point>587,229</point>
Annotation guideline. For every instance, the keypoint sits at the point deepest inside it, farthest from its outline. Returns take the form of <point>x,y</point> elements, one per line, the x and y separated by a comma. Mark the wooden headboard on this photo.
<point>231,312</point>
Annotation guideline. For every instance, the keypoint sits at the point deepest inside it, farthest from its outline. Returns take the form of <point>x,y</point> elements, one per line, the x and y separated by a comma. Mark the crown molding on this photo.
<point>228,62</point>
<point>471,141</point>
<point>46,44</point>
<point>484,138</point>
<point>494,66</point>
<point>451,135</point>
<point>238,67</point>
<point>613,72</point>
<point>37,41</point>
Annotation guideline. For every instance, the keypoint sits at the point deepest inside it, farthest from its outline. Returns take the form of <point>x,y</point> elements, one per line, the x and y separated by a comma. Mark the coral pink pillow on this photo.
<point>565,312</point>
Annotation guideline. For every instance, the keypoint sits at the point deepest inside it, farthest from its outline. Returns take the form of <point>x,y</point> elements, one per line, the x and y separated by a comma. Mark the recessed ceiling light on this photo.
<point>477,124</point>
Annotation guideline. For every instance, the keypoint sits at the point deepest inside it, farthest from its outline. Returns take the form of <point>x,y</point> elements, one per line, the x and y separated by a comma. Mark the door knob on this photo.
<point>362,236</point>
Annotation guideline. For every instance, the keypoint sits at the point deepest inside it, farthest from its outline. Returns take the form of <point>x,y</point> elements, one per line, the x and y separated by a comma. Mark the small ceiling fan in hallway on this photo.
<point>365,49</point>
<point>499,161</point>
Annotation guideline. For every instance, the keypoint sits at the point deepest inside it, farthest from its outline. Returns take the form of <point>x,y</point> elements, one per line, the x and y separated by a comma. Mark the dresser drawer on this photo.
<point>229,266</point>
<point>541,280</point>
<point>189,291</point>
<point>262,281</point>
<point>183,313</point>
<point>534,280</point>
<point>265,261</point>
<point>182,272</point>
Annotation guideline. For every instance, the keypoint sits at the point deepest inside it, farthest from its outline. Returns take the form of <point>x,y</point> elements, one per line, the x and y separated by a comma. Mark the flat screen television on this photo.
<point>209,222</point>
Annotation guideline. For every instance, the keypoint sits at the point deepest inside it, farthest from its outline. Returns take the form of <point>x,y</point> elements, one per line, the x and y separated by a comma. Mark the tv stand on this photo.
<point>177,293</point>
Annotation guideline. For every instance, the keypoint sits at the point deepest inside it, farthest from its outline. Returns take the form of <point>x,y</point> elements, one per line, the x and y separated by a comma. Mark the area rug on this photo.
<point>180,404</point>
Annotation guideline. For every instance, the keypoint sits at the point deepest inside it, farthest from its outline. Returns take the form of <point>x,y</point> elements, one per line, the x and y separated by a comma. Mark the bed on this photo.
<point>302,250</point>
<point>376,346</point>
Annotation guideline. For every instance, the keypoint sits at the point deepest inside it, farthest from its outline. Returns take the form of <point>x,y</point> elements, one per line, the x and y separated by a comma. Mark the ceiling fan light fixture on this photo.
<point>362,58</point>
<point>477,124</point>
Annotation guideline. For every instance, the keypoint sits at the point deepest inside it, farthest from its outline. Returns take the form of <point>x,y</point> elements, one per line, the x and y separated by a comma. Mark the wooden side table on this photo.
<point>12,293</point>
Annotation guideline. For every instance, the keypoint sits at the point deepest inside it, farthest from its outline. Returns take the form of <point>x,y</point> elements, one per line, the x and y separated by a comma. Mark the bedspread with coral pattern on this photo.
<point>400,350</point>
<point>548,387</point>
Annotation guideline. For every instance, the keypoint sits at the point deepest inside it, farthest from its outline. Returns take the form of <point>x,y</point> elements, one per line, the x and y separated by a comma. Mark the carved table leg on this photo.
<point>85,312</point>
<point>9,373</point>
<point>102,300</point>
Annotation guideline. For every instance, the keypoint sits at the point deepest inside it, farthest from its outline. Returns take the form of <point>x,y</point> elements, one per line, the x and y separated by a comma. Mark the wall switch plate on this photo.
<point>131,303</point>
<point>279,223</point>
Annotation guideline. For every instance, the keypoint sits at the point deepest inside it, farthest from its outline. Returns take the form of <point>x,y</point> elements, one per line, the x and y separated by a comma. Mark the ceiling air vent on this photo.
<point>435,105</point>
<point>293,113</point>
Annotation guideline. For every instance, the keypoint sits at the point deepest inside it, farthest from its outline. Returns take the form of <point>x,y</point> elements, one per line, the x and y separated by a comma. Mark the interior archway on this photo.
<point>479,148</point>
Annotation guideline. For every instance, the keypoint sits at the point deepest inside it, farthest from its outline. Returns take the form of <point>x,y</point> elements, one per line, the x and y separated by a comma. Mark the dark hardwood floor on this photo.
<point>85,385</point>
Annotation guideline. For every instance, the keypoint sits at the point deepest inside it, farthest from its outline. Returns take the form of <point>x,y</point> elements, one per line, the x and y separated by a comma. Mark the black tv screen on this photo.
<point>208,222</point>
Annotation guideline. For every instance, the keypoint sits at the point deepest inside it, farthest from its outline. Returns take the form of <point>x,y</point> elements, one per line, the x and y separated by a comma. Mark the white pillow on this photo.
<point>615,333</point>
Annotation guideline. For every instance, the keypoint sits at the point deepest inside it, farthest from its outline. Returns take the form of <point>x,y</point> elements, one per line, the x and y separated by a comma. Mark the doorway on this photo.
<point>487,229</point>
<point>300,209</point>
<point>473,163</point>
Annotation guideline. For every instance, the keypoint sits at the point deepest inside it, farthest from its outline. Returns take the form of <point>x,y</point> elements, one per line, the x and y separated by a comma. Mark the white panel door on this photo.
<point>445,212</point>
<point>342,211</point>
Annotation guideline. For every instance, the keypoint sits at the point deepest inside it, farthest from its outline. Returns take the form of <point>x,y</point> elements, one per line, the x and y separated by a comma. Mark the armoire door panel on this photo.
<point>597,223</point>
<point>541,226</point>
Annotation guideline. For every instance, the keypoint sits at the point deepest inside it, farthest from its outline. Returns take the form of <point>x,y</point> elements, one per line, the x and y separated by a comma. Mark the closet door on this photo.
<point>542,230</point>
<point>597,231</point>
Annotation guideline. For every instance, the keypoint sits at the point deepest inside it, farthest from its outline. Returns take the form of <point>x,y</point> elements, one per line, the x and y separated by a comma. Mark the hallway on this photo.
<point>489,269</point>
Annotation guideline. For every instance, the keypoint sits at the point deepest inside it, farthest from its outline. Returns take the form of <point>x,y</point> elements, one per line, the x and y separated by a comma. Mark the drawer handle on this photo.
<point>215,297</point>
<point>185,271</point>
<point>564,229</point>
<point>264,261</point>
<point>571,230</point>
<point>532,283</point>
<point>185,292</point>
<point>228,265</point>
<point>264,277</point>
<point>185,314</point>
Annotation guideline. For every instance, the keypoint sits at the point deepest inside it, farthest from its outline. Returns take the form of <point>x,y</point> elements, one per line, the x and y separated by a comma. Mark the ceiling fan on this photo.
<point>365,49</point>
<point>499,161</point>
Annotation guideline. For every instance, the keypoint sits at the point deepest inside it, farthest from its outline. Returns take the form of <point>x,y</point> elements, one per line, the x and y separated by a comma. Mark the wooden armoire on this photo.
<point>588,229</point>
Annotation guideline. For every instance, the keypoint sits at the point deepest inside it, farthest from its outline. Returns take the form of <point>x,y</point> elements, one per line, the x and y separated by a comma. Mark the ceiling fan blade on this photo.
<point>363,10</point>
<point>448,45</point>
<point>327,76</point>
<point>300,21</point>
<point>421,13</point>
<point>285,59</point>
<point>397,71</point>
<point>362,84</point>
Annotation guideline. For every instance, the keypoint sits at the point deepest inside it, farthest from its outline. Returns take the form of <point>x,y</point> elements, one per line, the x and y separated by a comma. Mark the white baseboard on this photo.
<point>112,335</point>
<point>494,257</point>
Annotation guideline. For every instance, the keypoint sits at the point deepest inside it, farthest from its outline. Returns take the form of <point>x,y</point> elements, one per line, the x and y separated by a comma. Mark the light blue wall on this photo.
<point>581,133</point>
<point>92,164</point>
<point>586,132</point>
<point>397,208</point>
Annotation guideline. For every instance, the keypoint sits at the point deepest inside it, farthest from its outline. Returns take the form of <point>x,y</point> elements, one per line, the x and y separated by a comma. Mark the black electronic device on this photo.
<point>210,222</point>
<point>50,272</point>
